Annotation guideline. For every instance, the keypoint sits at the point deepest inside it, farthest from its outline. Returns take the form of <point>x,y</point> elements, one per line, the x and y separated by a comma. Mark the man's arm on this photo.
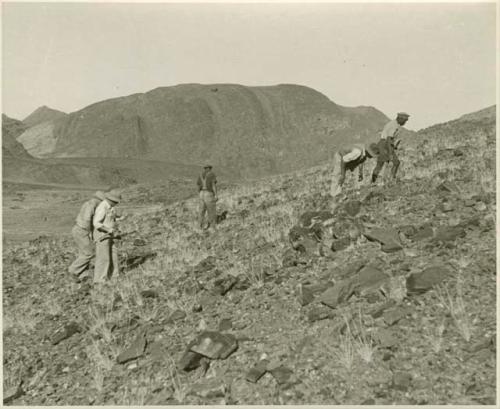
<point>214,187</point>
<point>198,182</point>
<point>360,170</point>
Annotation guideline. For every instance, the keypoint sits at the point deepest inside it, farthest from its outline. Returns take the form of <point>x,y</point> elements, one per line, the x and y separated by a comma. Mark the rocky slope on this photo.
<point>251,131</point>
<point>11,129</point>
<point>385,295</point>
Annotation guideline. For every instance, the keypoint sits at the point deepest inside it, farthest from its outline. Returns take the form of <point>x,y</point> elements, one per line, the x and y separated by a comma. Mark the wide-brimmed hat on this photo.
<point>100,195</point>
<point>372,149</point>
<point>114,196</point>
<point>207,167</point>
<point>403,115</point>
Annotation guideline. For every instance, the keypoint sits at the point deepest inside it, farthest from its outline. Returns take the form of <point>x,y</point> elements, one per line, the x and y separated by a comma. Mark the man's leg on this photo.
<point>115,261</point>
<point>395,164</point>
<point>85,251</point>
<point>102,260</point>
<point>212,212</point>
<point>202,209</point>
<point>377,169</point>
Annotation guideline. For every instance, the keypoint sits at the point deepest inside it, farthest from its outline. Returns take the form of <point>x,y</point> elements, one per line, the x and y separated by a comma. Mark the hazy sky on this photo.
<point>435,61</point>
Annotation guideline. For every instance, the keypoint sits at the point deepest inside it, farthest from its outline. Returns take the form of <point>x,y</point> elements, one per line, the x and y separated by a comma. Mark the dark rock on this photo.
<point>190,360</point>
<point>445,234</point>
<point>369,278</point>
<point>391,248</point>
<point>298,233</point>
<point>388,237</point>
<point>222,216</point>
<point>369,401</point>
<point>65,332</point>
<point>392,316</point>
<point>257,371</point>
<point>448,187</point>
<point>205,265</point>
<point>338,294</point>
<point>379,310</point>
<point>157,351</point>
<point>340,244</point>
<point>224,284</point>
<point>135,350</point>
<point>401,381</point>
<point>149,294</point>
<point>424,232</point>
<point>469,203</point>
<point>320,313</point>
<point>282,374</point>
<point>134,260</point>
<point>352,207</point>
<point>139,242</point>
<point>305,295</point>
<point>215,345</point>
<point>418,283</point>
<point>177,315</point>
<point>385,338</point>
<point>306,246</point>
<point>225,324</point>
<point>447,207</point>
<point>197,307</point>
<point>290,258</point>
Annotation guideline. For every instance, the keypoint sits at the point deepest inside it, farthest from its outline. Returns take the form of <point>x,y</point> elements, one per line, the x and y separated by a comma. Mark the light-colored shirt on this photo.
<point>352,153</point>
<point>104,216</point>
<point>391,129</point>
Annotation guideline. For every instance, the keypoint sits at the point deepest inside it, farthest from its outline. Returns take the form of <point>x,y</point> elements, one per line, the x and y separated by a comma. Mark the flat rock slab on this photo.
<point>190,360</point>
<point>177,315</point>
<point>339,293</point>
<point>385,338</point>
<point>369,278</point>
<point>423,233</point>
<point>340,244</point>
<point>257,371</point>
<point>304,295</point>
<point>352,207</point>
<point>421,282</point>
<point>65,332</point>
<point>209,389</point>
<point>215,345</point>
<point>388,237</point>
<point>307,219</point>
<point>396,314</point>
<point>134,351</point>
<point>401,381</point>
<point>282,374</point>
<point>319,314</point>
<point>447,234</point>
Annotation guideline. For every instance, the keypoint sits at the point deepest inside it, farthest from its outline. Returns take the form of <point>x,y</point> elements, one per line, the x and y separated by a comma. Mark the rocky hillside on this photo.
<point>43,114</point>
<point>383,296</point>
<point>11,129</point>
<point>251,131</point>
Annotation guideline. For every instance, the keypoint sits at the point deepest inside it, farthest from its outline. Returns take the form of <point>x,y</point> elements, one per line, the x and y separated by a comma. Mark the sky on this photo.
<point>434,61</point>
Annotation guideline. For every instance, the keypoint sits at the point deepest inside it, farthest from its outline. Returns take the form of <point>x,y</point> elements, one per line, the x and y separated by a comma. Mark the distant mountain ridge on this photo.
<point>11,129</point>
<point>43,114</point>
<point>250,131</point>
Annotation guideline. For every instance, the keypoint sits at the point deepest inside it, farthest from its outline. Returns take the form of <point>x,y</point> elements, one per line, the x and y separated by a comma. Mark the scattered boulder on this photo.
<point>394,315</point>
<point>225,324</point>
<point>304,295</point>
<point>307,246</point>
<point>149,294</point>
<point>339,293</point>
<point>209,389</point>
<point>224,284</point>
<point>424,232</point>
<point>340,244</point>
<point>401,381</point>
<point>214,345</point>
<point>65,332</point>
<point>369,278</point>
<point>385,338</point>
<point>139,242</point>
<point>448,187</point>
<point>449,233</point>
<point>190,360</point>
<point>134,351</point>
<point>257,371</point>
<point>421,282</point>
<point>282,374</point>
<point>352,207</point>
<point>389,238</point>
<point>205,265</point>
<point>177,315</point>
<point>319,314</point>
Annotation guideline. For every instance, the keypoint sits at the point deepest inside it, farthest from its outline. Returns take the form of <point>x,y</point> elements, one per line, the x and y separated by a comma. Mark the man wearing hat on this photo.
<point>207,186</point>
<point>82,234</point>
<point>350,157</point>
<point>106,258</point>
<point>388,144</point>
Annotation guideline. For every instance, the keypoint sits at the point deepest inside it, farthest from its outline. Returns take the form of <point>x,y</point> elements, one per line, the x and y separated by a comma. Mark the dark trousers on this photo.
<point>387,153</point>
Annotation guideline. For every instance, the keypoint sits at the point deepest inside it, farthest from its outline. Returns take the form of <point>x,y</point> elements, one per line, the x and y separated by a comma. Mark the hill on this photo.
<point>251,131</point>
<point>11,129</point>
<point>374,298</point>
<point>43,114</point>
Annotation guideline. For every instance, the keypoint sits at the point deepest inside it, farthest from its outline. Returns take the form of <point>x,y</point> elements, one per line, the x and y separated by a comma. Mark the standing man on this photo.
<point>106,258</point>
<point>82,233</point>
<point>388,144</point>
<point>349,157</point>
<point>207,186</point>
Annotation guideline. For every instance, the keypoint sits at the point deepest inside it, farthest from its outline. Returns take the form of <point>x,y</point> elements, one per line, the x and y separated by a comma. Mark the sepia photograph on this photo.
<point>238,203</point>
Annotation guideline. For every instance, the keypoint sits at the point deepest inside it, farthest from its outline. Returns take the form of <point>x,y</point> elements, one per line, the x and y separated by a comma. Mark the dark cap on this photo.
<point>403,115</point>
